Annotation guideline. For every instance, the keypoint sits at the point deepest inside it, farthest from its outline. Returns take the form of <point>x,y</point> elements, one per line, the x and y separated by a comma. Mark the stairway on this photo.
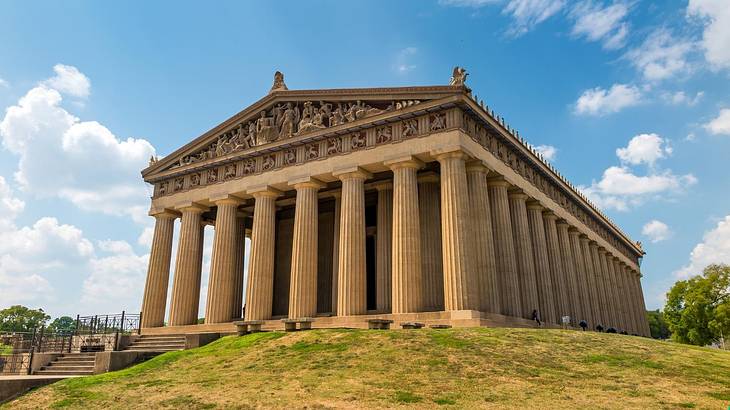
<point>157,343</point>
<point>69,364</point>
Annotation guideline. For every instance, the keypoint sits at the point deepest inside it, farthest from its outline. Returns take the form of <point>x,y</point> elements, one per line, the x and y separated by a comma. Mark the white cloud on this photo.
<point>716,35</point>
<point>404,60</point>
<point>681,98</point>
<point>4,83</point>
<point>69,80</point>
<point>468,3</point>
<point>598,101</point>
<point>721,124</point>
<point>714,248</point>
<point>10,206</point>
<point>661,55</point>
<point>605,24</point>
<point>656,231</point>
<point>548,151</point>
<point>529,13</point>
<point>79,161</point>
<point>644,148</point>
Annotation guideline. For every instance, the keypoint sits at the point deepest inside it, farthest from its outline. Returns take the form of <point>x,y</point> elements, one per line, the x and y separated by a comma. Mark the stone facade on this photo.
<point>412,202</point>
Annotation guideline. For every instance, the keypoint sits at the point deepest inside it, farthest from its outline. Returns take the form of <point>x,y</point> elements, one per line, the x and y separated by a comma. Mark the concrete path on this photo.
<point>15,385</point>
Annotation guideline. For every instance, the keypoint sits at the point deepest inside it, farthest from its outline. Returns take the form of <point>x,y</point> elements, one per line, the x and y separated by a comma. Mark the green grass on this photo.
<point>6,349</point>
<point>455,368</point>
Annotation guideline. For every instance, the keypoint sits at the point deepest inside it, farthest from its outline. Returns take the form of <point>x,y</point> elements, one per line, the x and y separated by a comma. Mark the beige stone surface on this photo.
<point>569,264</point>
<point>558,273</point>
<point>504,247</point>
<point>543,276</point>
<point>523,253</point>
<point>222,279</point>
<point>158,273</point>
<point>431,250</point>
<point>260,287</point>
<point>188,266</point>
<point>384,248</point>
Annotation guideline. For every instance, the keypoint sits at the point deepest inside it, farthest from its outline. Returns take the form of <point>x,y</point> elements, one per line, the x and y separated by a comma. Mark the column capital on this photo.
<point>306,182</point>
<point>616,258</point>
<point>428,177</point>
<point>407,161</point>
<point>449,152</point>
<point>162,213</point>
<point>562,222</point>
<point>354,172</point>
<point>584,238</point>
<point>225,198</point>
<point>534,204</point>
<point>548,214</point>
<point>517,193</point>
<point>494,179</point>
<point>593,244</point>
<point>574,231</point>
<point>601,250</point>
<point>383,186</point>
<point>262,191</point>
<point>190,206</point>
<point>476,166</point>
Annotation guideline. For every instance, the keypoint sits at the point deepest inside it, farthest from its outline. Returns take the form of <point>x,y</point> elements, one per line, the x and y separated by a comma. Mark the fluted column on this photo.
<point>336,250</point>
<point>352,281</point>
<point>566,251</point>
<point>158,271</point>
<point>590,282</point>
<point>621,286</point>
<point>523,253</point>
<point>240,263</point>
<point>558,273</point>
<point>631,298</point>
<point>600,284</point>
<point>485,265</point>
<point>188,265</point>
<point>644,329</point>
<point>607,290</point>
<point>617,292</point>
<point>504,247</point>
<point>219,308</point>
<point>384,248</point>
<point>580,276</point>
<point>260,287</point>
<point>544,283</point>
<point>406,263</point>
<point>303,282</point>
<point>454,230</point>
<point>431,258</point>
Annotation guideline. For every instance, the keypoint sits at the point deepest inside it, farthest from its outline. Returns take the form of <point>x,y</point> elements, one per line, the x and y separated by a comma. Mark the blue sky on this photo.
<point>631,100</point>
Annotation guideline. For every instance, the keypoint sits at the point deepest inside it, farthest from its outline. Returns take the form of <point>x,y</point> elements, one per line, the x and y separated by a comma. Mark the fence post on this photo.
<point>78,319</point>
<point>40,344</point>
<point>139,324</point>
<point>116,336</point>
<point>30,363</point>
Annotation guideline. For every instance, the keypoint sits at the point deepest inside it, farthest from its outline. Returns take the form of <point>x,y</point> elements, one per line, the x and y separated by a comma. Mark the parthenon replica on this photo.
<point>405,204</point>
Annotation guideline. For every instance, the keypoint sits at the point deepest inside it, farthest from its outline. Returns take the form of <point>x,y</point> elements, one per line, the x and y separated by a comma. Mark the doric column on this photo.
<point>590,282</point>
<point>566,251</point>
<point>336,250</point>
<point>558,274</point>
<point>240,263</point>
<point>158,271</point>
<point>615,295</point>
<point>384,248</point>
<point>618,301</point>
<point>631,298</point>
<point>644,329</point>
<point>545,293</point>
<point>600,284</point>
<point>406,263</point>
<point>219,308</point>
<point>621,287</point>
<point>485,265</point>
<point>260,287</point>
<point>580,276</point>
<point>352,281</point>
<point>303,282</point>
<point>523,252</point>
<point>431,258</point>
<point>607,289</point>
<point>504,247</point>
<point>188,265</point>
<point>454,230</point>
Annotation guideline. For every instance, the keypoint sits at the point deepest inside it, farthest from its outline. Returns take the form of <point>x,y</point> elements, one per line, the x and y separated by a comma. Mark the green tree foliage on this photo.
<point>657,324</point>
<point>698,309</point>
<point>62,324</point>
<point>21,319</point>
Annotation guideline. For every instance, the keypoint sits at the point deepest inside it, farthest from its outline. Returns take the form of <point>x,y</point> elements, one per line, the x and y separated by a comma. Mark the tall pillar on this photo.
<point>580,277</point>
<point>631,298</point>
<point>336,250</point>
<point>600,284</point>
<point>545,293</point>
<point>481,227</point>
<point>590,282</point>
<point>621,287</point>
<point>303,283</point>
<point>188,265</point>
<point>523,252</point>
<point>384,247</point>
<point>352,280</point>
<point>566,251</point>
<point>454,230</point>
<point>219,308</point>
<point>558,274</point>
<point>260,287</point>
<point>431,258</point>
<point>158,271</point>
<point>504,247</point>
<point>240,263</point>
<point>644,329</point>
<point>617,291</point>
<point>607,289</point>
<point>406,263</point>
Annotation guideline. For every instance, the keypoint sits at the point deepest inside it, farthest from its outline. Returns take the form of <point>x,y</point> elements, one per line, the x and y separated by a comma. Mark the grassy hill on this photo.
<point>457,368</point>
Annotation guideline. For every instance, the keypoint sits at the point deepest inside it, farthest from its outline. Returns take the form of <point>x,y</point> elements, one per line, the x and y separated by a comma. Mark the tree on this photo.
<point>657,324</point>
<point>698,309</point>
<point>21,319</point>
<point>62,324</point>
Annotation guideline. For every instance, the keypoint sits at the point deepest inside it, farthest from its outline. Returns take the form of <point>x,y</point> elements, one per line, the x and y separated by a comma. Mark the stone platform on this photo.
<point>460,318</point>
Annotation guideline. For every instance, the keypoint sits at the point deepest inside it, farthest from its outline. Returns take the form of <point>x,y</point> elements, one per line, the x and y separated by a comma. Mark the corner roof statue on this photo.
<point>294,165</point>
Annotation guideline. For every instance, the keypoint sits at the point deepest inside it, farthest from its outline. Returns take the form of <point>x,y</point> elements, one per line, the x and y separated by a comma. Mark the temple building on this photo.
<point>406,203</point>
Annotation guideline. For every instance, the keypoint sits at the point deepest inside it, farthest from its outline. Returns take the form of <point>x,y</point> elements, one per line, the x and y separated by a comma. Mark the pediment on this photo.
<point>292,115</point>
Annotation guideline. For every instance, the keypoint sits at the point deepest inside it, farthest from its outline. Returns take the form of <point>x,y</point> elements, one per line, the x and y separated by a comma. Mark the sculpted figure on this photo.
<point>334,145</point>
<point>351,114</point>
<point>459,76</point>
<point>325,109</point>
<point>163,188</point>
<point>289,119</point>
<point>438,122</point>
<point>384,135</point>
<point>178,184</point>
<point>278,82</point>
<point>290,156</point>
<point>265,129</point>
<point>311,119</point>
<point>410,127</point>
<point>338,116</point>
<point>249,167</point>
<point>313,151</point>
<point>212,175</point>
<point>230,172</point>
<point>194,179</point>
<point>358,140</point>
<point>251,136</point>
<point>269,162</point>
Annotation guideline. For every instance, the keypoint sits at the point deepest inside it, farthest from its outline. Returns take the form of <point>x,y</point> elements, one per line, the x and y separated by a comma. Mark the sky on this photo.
<point>630,100</point>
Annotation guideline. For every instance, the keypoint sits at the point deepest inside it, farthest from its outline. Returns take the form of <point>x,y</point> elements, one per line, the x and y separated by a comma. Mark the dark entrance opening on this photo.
<point>371,220</point>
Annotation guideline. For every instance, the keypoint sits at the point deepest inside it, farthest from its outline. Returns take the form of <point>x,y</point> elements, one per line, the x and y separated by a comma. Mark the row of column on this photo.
<point>501,252</point>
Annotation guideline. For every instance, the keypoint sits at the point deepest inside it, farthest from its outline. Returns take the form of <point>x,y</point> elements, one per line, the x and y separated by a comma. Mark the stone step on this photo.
<point>161,337</point>
<point>182,345</point>
<point>56,367</point>
<point>50,372</point>
<point>74,358</point>
<point>73,362</point>
<point>152,349</point>
<point>78,355</point>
